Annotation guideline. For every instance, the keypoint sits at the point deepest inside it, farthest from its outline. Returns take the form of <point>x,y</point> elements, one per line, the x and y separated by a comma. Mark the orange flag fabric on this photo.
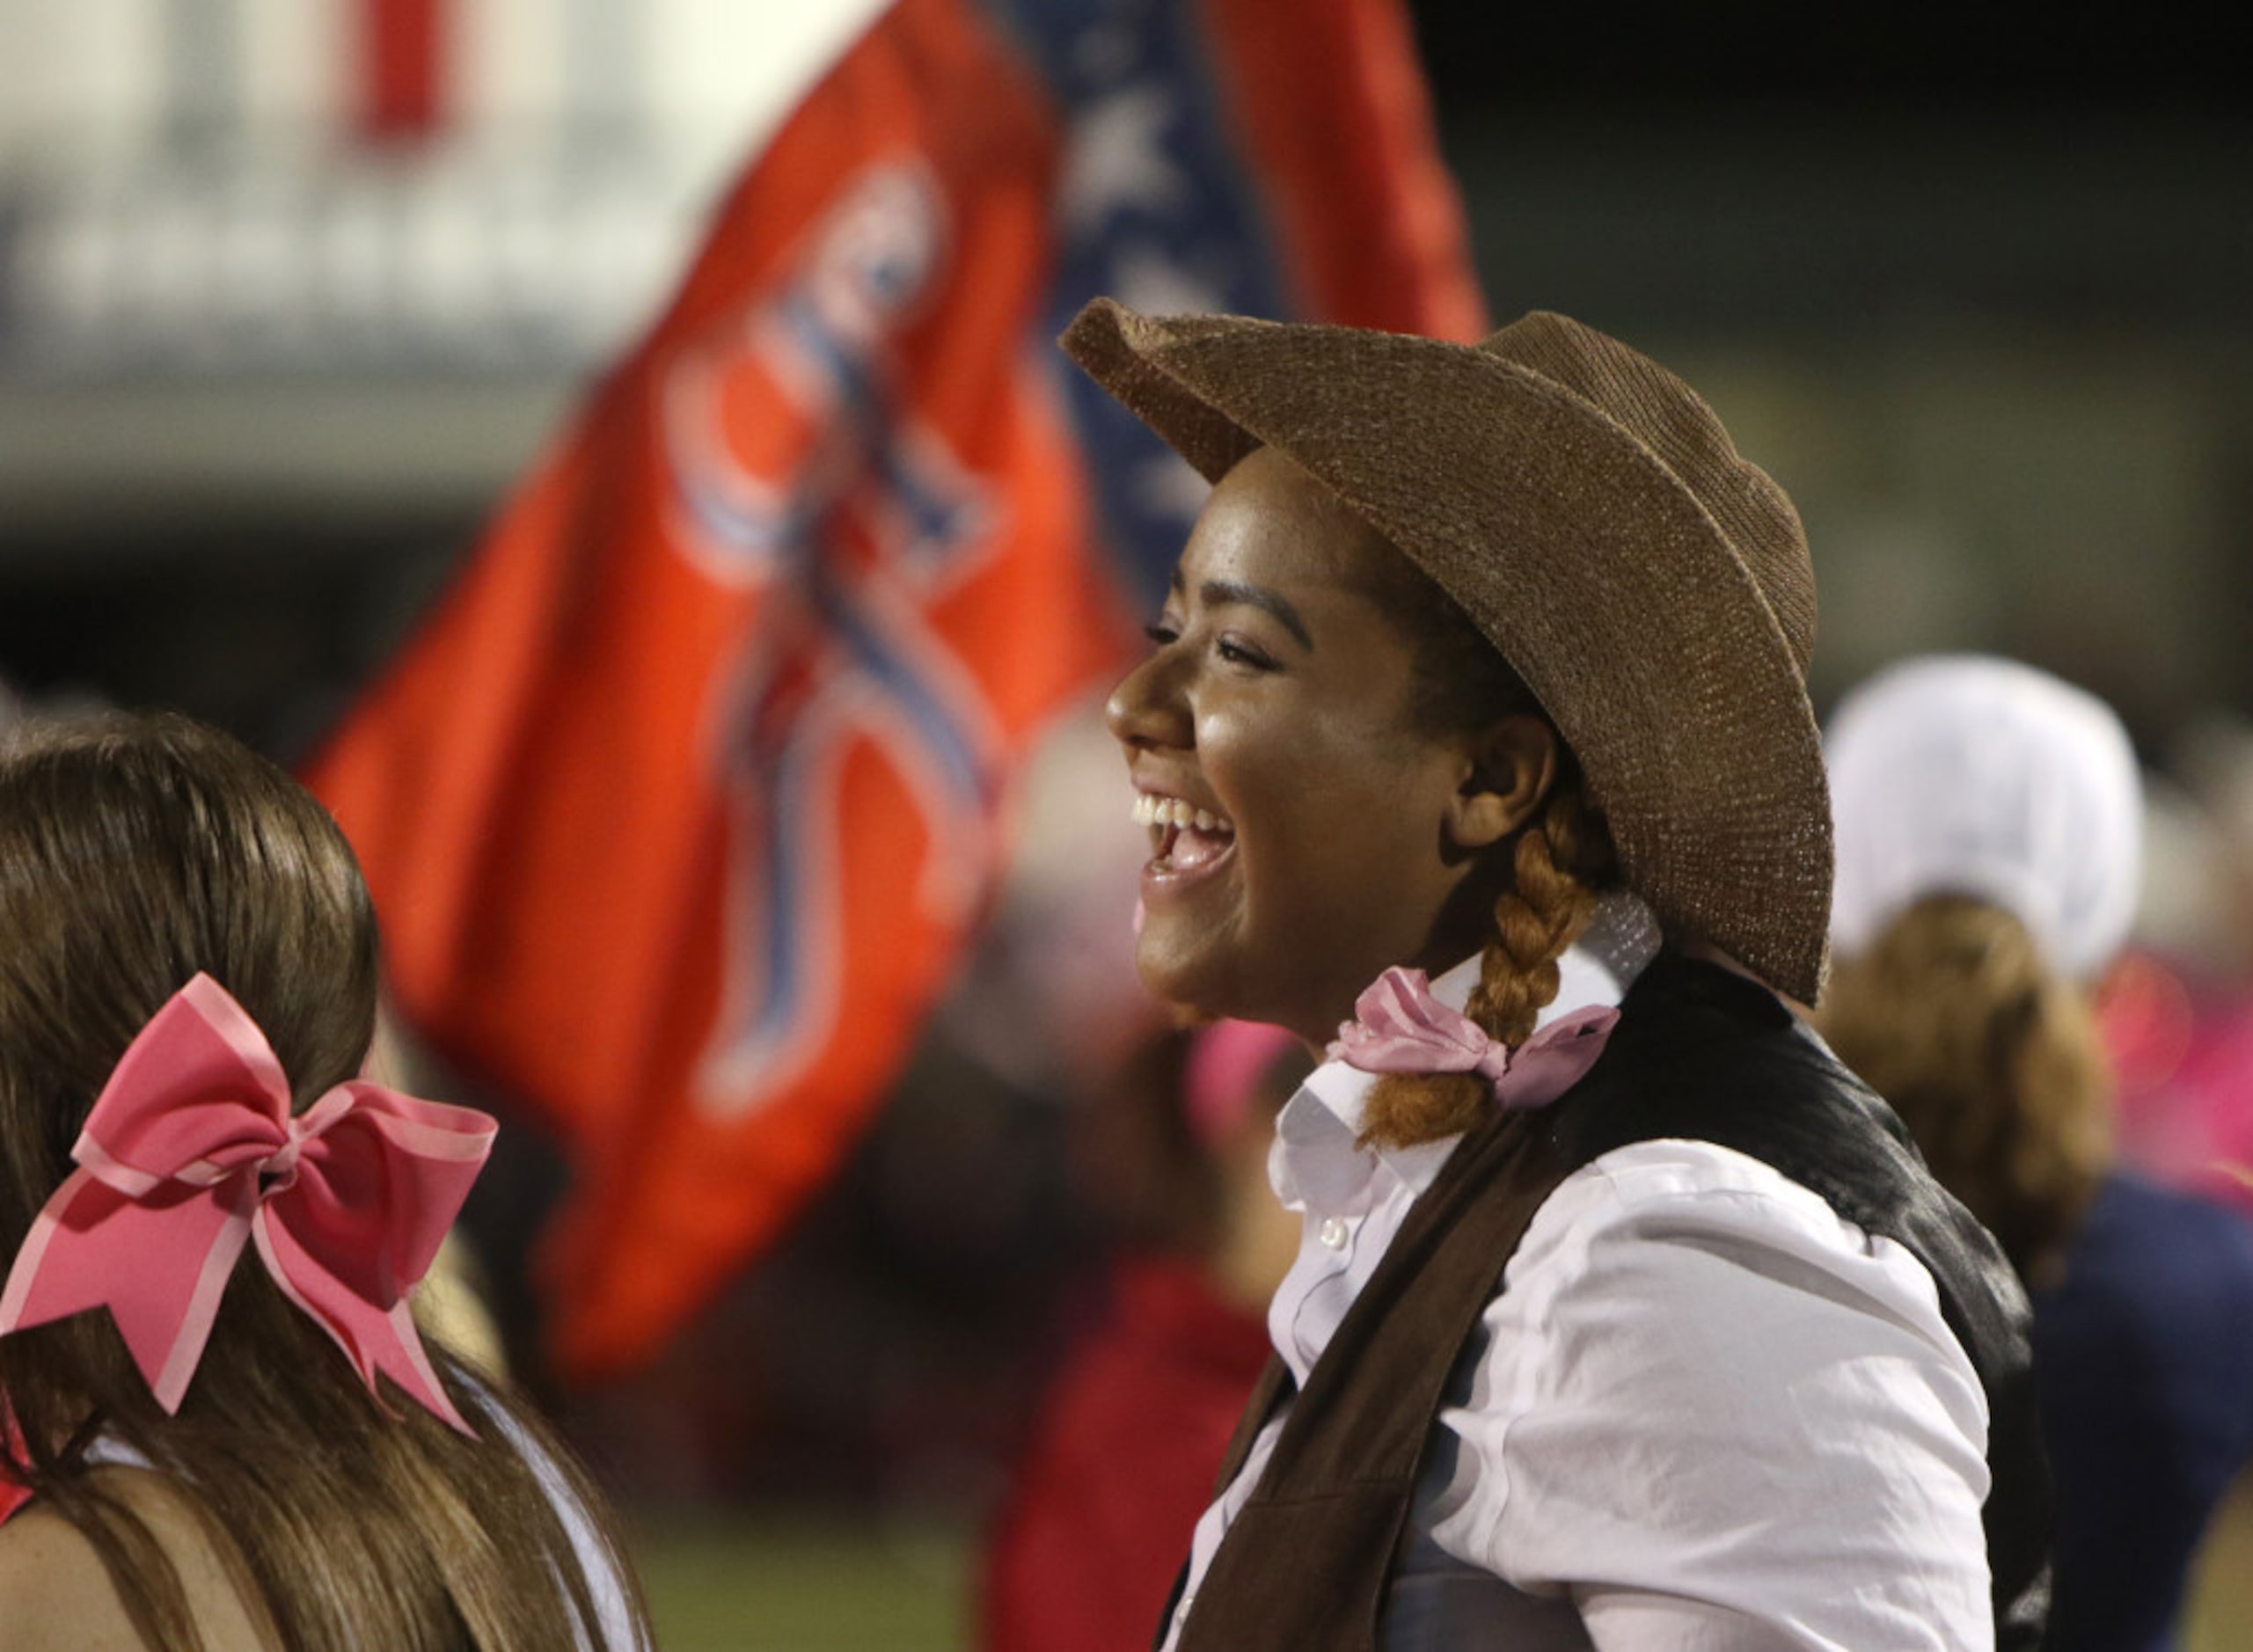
<point>682,806</point>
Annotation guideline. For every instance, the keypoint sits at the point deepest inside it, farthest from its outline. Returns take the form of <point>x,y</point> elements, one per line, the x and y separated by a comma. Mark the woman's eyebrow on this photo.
<point>1218,593</point>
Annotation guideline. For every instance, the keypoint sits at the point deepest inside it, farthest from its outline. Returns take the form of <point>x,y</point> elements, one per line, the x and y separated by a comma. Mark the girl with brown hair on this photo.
<point>1475,750</point>
<point>1989,820</point>
<point>187,996</point>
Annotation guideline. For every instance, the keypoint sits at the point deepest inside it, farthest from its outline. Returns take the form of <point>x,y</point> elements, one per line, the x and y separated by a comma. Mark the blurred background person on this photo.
<point>2177,1011</point>
<point>1989,820</point>
<point>1123,1457</point>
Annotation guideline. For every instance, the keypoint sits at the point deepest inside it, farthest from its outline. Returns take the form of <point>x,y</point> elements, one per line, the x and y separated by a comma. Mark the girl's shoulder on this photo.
<point>1677,1232</point>
<point>58,1595</point>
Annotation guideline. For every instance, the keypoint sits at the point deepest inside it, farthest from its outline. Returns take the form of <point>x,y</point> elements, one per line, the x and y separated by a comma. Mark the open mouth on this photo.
<point>1182,836</point>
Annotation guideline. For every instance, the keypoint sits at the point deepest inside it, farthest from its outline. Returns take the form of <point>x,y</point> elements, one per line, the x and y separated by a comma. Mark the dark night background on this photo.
<point>1737,177</point>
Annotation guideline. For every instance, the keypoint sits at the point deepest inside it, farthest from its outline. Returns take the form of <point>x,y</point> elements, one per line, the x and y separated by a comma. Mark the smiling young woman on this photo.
<point>1278,705</point>
<point>1475,733</point>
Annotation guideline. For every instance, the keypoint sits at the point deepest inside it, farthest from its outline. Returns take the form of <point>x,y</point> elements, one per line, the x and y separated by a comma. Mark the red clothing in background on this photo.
<point>1120,1466</point>
<point>13,1496</point>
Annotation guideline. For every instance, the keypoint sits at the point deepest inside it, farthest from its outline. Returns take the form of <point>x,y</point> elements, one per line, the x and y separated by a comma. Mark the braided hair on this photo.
<point>1560,863</point>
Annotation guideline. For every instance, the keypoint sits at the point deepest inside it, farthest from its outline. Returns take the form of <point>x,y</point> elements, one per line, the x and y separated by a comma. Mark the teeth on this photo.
<point>1150,809</point>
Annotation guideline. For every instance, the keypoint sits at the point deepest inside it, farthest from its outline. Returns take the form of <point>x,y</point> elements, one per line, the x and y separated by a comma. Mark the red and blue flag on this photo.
<point>681,807</point>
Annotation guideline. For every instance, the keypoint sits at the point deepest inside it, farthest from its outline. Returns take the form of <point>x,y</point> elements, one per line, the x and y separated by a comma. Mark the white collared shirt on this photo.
<point>1704,1413</point>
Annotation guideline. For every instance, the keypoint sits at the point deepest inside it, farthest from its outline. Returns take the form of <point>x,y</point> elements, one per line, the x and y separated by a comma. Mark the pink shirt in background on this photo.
<point>2183,1055</point>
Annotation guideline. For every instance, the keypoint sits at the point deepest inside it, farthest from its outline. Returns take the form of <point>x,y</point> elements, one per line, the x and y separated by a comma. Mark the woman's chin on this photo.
<point>1186,976</point>
<point>1207,984</point>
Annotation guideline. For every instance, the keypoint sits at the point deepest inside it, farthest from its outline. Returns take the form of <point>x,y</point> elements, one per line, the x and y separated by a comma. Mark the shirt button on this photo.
<point>1332,1233</point>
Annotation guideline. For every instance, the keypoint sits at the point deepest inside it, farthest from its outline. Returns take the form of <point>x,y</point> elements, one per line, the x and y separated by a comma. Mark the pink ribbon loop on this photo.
<point>191,1153</point>
<point>1401,1026</point>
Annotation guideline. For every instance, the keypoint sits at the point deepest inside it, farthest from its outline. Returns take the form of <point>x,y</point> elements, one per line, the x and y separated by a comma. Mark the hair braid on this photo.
<point>1561,863</point>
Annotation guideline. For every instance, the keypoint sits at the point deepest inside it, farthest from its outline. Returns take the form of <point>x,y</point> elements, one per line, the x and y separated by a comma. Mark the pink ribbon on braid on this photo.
<point>1401,1028</point>
<point>191,1152</point>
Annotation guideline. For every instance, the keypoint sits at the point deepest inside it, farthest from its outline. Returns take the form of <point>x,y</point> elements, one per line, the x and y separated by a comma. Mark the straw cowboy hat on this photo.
<point>1587,510</point>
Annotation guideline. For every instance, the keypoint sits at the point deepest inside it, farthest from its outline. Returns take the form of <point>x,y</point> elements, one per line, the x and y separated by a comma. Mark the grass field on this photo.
<point>766,1586</point>
<point>771,1585</point>
<point>2220,1618</point>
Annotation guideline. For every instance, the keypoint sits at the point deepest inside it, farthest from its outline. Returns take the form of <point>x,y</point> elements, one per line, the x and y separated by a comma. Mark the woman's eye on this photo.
<point>1238,652</point>
<point>1161,632</point>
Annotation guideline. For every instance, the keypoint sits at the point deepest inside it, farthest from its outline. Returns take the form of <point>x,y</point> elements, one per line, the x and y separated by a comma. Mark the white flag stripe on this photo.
<point>605,76</point>
<point>300,72</point>
<point>80,80</point>
<point>726,72</point>
<point>200,46</point>
<point>506,61</point>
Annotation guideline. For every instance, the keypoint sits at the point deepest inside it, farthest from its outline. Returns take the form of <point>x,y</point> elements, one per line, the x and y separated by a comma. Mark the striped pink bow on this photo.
<point>1401,1028</point>
<point>191,1151</point>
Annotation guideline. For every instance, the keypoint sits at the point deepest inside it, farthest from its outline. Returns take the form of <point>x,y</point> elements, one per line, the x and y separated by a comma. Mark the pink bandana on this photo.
<point>1401,1028</point>
<point>191,1152</point>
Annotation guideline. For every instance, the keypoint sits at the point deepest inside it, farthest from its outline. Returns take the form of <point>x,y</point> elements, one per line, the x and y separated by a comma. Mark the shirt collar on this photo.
<point>1316,1163</point>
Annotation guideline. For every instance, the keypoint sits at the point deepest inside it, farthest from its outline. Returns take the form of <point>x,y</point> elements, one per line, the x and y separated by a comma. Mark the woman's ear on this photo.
<point>1511,765</point>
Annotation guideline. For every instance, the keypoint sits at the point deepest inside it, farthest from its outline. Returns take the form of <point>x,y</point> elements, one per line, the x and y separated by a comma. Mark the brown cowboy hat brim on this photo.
<point>1583,559</point>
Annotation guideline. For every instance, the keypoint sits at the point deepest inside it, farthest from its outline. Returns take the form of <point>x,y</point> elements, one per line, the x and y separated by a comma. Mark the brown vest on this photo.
<point>1698,1053</point>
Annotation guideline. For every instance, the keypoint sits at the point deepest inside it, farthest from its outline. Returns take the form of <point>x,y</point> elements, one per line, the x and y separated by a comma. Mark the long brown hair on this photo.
<point>1556,866</point>
<point>1992,1058</point>
<point>134,851</point>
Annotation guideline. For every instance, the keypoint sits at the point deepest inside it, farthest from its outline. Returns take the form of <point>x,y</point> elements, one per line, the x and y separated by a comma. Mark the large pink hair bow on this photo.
<point>191,1150</point>
<point>1399,1026</point>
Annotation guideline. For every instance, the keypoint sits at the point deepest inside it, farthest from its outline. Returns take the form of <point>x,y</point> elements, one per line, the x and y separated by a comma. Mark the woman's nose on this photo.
<point>1146,708</point>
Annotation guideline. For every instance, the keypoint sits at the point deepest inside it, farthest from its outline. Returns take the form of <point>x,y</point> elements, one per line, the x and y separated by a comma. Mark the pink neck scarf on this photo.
<point>1401,1026</point>
<point>191,1152</point>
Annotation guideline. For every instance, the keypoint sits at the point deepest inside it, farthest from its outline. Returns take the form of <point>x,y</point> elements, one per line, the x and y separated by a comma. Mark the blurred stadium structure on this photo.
<point>318,273</point>
<point>1977,297</point>
<point>383,186</point>
<point>290,289</point>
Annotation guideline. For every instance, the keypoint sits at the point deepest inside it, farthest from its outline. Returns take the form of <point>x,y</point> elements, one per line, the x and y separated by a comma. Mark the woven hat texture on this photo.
<point>1587,510</point>
<point>1966,774</point>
